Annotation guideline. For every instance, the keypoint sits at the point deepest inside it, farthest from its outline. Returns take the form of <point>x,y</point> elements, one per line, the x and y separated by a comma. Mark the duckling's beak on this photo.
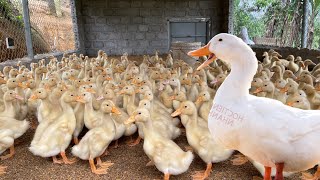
<point>199,99</point>
<point>80,99</point>
<point>121,92</point>
<point>115,110</point>
<point>72,78</point>
<point>18,97</point>
<point>21,85</point>
<point>90,90</point>
<point>137,91</point>
<point>108,78</point>
<point>204,51</point>
<point>130,120</point>
<point>258,90</point>
<point>176,113</point>
<point>172,97</point>
<point>290,104</point>
<point>33,97</point>
<point>100,98</point>
<point>283,90</point>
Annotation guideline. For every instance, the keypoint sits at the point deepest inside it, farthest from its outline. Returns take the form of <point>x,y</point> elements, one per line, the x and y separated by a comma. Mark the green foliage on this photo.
<point>8,11</point>
<point>242,18</point>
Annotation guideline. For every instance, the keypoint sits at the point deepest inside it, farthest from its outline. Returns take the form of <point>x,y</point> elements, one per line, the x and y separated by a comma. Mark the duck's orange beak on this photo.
<point>176,113</point>
<point>115,110</point>
<point>258,90</point>
<point>283,90</point>
<point>199,99</point>
<point>204,51</point>
<point>90,90</point>
<point>130,120</point>
<point>33,97</point>
<point>80,99</point>
<point>290,104</point>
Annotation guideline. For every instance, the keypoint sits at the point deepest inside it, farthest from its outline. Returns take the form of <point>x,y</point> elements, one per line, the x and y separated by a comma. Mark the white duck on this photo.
<point>263,129</point>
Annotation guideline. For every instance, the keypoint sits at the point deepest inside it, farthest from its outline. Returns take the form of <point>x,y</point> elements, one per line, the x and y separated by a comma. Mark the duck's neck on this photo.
<point>238,82</point>
<point>66,108</point>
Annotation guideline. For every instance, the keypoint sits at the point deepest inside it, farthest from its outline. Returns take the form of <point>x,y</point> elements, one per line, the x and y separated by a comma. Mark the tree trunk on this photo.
<point>304,35</point>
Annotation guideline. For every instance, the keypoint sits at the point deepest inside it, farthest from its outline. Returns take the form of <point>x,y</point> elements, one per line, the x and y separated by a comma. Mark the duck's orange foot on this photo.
<point>56,161</point>
<point>166,177</point>
<point>101,170</point>
<point>12,152</point>
<point>66,160</point>
<point>202,175</point>
<point>103,164</point>
<point>188,148</point>
<point>3,169</point>
<point>136,142</point>
<point>239,160</point>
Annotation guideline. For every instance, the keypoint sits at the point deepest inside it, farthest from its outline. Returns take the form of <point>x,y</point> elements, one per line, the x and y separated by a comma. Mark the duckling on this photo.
<point>177,99</point>
<point>130,94</point>
<point>267,87</point>
<point>12,129</point>
<point>312,95</point>
<point>204,103</point>
<point>288,74</point>
<point>114,112</point>
<point>9,105</point>
<point>59,134</point>
<point>255,84</point>
<point>166,155</point>
<point>292,66</point>
<point>166,126</point>
<point>95,142</point>
<point>200,139</point>
<point>300,102</point>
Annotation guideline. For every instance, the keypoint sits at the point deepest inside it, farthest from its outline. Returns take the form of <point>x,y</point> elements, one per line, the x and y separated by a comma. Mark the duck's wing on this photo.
<point>288,123</point>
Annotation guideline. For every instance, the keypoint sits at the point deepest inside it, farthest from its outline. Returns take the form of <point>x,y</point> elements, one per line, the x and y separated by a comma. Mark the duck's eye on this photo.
<point>290,86</point>
<point>265,85</point>
<point>71,94</point>
<point>185,106</point>
<point>127,88</point>
<point>39,92</point>
<point>61,90</point>
<point>297,101</point>
<point>107,104</point>
<point>220,39</point>
<point>139,113</point>
<point>13,81</point>
<point>10,93</point>
<point>145,104</point>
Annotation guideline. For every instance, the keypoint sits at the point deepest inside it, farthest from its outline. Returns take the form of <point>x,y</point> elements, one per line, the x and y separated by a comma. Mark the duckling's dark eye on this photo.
<point>13,81</point>
<point>220,39</point>
<point>290,86</point>
<point>139,113</point>
<point>61,90</point>
<point>265,85</point>
<point>145,104</point>
<point>10,93</point>
<point>107,104</point>
<point>298,101</point>
<point>39,92</point>
<point>185,106</point>
<point>71,94</point>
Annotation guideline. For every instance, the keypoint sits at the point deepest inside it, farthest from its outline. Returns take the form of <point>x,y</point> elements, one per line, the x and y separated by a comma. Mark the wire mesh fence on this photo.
<point>51,27</point>
<point>12,38</point>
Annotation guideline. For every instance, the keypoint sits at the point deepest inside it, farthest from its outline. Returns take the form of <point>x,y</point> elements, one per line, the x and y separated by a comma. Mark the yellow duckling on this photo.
<point>166,155</point>
<point>200,139</point>
<point>95,142</point>
<point>59,134</point>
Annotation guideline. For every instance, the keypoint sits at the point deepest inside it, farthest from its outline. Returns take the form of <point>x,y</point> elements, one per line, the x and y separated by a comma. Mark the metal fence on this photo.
<point>32,27</point>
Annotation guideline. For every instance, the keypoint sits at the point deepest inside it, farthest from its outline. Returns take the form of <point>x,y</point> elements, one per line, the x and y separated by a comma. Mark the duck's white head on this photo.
<point>223,46</point>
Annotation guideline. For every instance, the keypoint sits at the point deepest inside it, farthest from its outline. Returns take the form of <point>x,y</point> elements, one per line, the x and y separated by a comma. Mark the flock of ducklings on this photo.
<point>158,99</point>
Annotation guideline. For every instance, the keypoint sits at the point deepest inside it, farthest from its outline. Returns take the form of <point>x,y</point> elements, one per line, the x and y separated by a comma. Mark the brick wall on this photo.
<point>140,26</point>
